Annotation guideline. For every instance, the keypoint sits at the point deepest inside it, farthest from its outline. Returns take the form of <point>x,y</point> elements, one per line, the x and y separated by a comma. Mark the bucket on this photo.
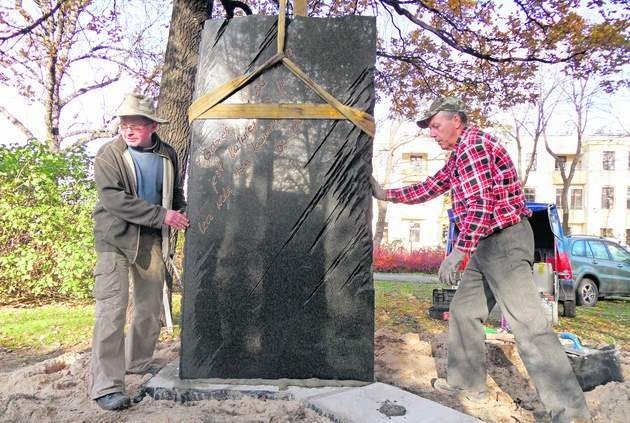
<point>550,309</point>
<point>593,366</point>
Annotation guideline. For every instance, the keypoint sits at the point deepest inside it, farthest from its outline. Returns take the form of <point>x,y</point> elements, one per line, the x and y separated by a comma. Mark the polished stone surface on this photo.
<point>277,280</point>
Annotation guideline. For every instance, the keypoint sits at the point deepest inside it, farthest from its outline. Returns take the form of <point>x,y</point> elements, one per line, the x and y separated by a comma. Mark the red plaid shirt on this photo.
<point>485,190</point>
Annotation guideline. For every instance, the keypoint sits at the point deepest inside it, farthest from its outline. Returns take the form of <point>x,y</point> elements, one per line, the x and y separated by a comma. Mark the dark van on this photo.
<point>549,252</point>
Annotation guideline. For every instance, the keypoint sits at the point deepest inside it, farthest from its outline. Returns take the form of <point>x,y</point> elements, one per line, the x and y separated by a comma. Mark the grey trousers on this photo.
<point>112,352</point>
<point>500,271</point>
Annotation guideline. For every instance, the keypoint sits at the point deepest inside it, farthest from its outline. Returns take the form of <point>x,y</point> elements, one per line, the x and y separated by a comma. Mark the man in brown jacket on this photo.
<point>140,199</point>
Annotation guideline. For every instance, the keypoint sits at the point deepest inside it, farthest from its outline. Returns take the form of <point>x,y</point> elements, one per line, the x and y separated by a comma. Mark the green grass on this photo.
<point>606,323</point>
<point>45,327</point>
<point>400,307</point>
<point>50,327</point>
<point>403,307</point>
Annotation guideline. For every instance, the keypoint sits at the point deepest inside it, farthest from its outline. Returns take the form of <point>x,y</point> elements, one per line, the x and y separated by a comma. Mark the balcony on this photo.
<point>579,177</point>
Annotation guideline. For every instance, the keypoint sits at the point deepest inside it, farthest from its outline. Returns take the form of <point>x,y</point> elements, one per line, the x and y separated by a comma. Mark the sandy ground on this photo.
<point>412,360</point>
<point>54,390</point>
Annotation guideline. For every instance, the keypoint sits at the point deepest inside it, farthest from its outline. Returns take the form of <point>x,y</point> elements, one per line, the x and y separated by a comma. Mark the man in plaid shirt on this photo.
<point>491,215</point>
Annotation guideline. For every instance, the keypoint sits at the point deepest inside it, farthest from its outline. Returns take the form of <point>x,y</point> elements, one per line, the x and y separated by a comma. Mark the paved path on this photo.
<point>406,277</point>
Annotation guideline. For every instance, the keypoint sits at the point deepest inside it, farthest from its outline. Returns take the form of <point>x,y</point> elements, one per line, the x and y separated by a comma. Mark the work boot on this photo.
<point>151,368</point>
<point>114,401</point>
<point>442,386</point>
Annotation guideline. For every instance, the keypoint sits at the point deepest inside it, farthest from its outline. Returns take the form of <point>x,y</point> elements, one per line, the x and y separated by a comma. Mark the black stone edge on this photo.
<point>186,395</point>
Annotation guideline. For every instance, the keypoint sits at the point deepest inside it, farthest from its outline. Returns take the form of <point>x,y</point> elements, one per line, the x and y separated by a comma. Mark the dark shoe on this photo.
<point>151,368</point>
<point>114,401</point>
<point>442,386</point>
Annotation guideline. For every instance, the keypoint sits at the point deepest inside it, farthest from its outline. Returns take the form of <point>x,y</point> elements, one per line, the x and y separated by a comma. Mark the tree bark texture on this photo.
<point>178,76</point>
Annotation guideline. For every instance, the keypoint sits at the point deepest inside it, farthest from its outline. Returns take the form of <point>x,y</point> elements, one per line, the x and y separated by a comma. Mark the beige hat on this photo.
<point>139,105</point>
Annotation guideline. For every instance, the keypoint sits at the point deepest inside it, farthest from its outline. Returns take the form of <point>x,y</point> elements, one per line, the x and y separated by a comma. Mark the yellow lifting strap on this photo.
<point>208,105</point>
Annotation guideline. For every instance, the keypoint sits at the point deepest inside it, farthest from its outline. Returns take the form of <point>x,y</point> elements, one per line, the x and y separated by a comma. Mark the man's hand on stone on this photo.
<point>450,265</point>
<point>176,220</point>
<point>377,190</point>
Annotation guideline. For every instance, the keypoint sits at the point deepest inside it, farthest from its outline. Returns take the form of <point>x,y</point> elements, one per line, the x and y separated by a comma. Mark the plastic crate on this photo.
<point>442,298</point>
<point>438,314</point>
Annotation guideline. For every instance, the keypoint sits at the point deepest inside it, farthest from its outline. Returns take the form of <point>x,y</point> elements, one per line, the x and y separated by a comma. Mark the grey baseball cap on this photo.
<point>443,104</point>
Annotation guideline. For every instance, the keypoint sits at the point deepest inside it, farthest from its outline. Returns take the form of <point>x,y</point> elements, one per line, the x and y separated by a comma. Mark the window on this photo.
<point>559,197</point>
<point>608,197</point>
<point>599,250</point>
<point>530,194</point>
<point>561,161</point>
<point>606,232</point>
<point>618,253</point>
<point>414,232</point>
<point>576,199</point>
<point>417,160</point>
<point>608,160</point>
<point>579,249</point>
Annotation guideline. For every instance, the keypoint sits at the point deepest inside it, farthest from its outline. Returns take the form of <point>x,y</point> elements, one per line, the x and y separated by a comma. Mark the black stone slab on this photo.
<point>277,279</point>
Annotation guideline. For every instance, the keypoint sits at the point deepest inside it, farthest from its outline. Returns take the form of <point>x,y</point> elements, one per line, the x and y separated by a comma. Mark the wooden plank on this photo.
<point>272,111</point>
<point>209,100</point>
<point>281,25</point>
<point>359,118</point>
<point>299,8</point>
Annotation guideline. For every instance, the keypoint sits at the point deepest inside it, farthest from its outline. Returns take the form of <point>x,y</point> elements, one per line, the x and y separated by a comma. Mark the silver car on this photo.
<point>601,268</point>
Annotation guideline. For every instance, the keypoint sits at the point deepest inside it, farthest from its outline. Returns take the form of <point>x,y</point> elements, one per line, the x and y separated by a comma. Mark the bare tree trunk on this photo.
<point>380,223</point>
<point>393,144</point>
<point>565,208</point>
<point>180,67</point>
<point>178,84</point>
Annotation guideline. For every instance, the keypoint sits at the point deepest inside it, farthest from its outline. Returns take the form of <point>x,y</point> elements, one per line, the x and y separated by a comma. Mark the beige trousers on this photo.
<point>112,352</point>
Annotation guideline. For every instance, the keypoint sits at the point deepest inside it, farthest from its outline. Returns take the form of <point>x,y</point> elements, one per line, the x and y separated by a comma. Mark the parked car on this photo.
<point>549,247</point>
<point>601,268</point>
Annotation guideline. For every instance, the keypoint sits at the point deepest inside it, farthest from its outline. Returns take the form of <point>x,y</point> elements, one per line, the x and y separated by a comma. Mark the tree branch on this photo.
<point>81,91</point>
<point>89,136</point>
<point>16,122</point>
<point>33,25</point>
<point>424,65</point>
<point>447,38</point>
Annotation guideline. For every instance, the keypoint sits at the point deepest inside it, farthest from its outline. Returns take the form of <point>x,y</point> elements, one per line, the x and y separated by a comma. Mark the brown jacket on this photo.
<point>119,212</point>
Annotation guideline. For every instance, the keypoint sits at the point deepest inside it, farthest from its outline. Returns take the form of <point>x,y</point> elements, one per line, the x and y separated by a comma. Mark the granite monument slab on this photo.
<point>277,268</point>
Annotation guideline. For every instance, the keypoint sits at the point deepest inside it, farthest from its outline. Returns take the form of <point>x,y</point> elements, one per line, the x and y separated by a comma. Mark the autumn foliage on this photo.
<point>397,260</point>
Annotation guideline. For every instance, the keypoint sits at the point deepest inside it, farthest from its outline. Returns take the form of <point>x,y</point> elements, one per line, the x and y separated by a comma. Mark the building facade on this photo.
<point>598,196</point>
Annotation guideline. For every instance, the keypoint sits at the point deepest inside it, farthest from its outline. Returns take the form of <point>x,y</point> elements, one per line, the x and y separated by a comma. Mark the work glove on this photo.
<point>377,190</point>
<point>450,265</point>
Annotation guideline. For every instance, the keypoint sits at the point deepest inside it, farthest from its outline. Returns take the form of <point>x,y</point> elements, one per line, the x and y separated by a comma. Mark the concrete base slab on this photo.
<point>346,402</point>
